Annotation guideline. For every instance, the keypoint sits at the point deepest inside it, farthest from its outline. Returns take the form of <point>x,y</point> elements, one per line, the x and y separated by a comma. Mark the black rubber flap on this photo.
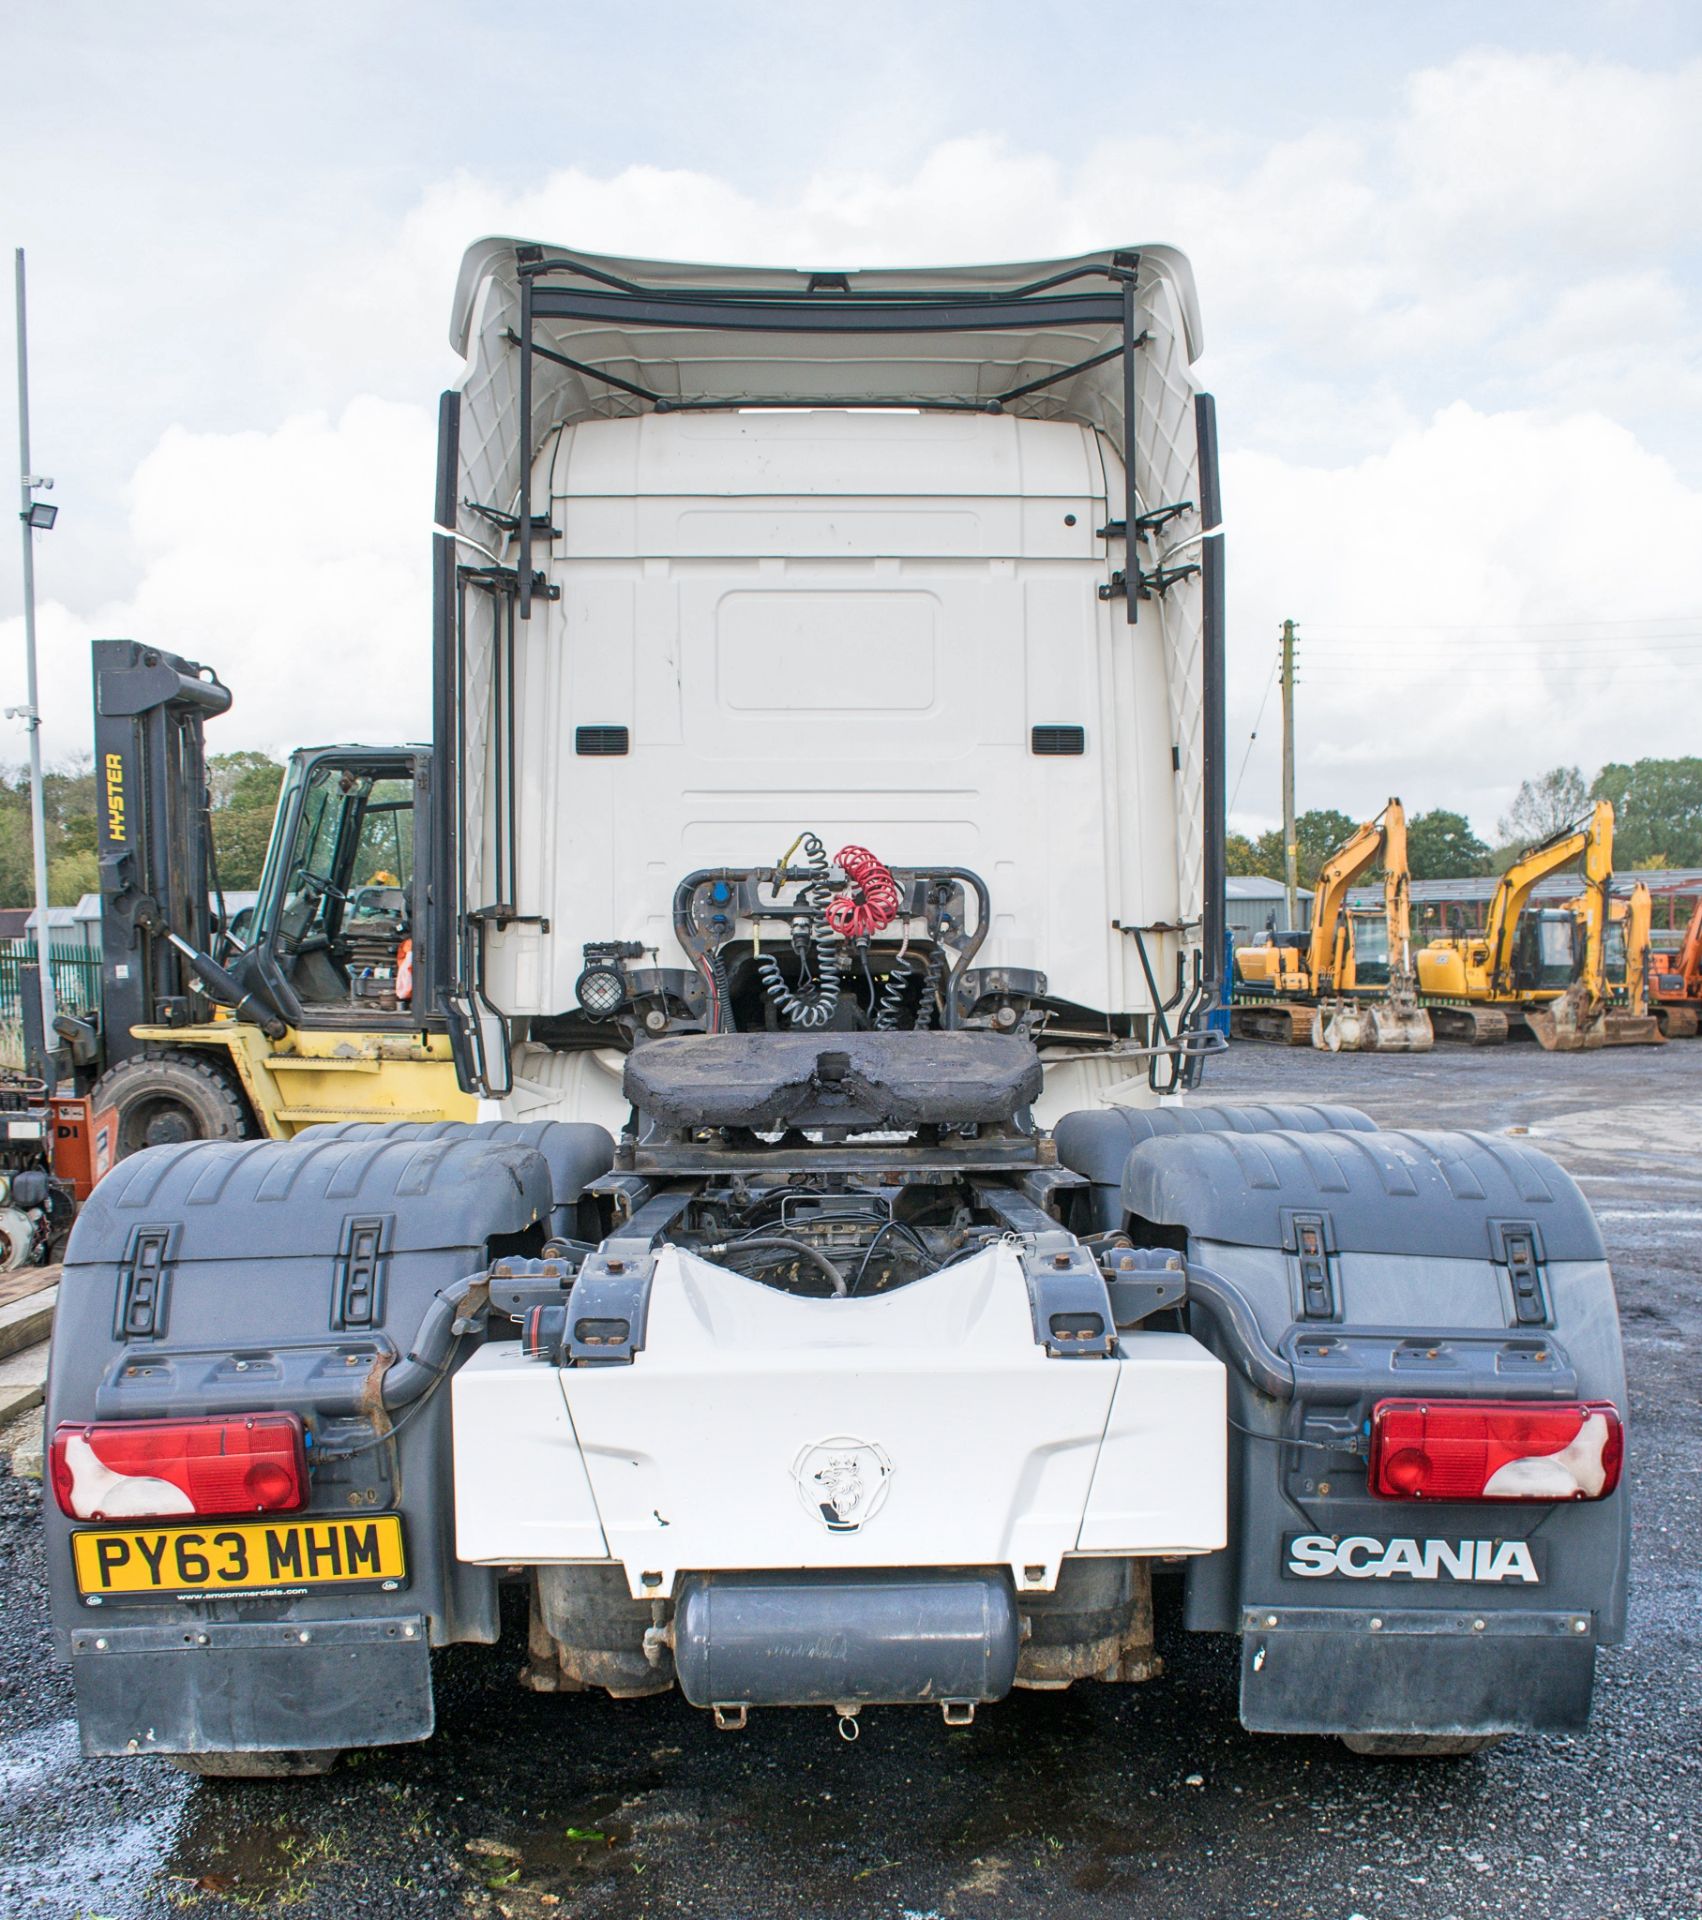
<point>279,1198</point>
<point>1385,1192</point>
<point>1349,1681</point>
<point>769,1080</point>
<point>1098,1143</point>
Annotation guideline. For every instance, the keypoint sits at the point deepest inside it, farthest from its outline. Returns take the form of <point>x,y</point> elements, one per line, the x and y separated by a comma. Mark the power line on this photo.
<point>1497,626</point>
<point>1539,649</point>
<point>1253,736</point>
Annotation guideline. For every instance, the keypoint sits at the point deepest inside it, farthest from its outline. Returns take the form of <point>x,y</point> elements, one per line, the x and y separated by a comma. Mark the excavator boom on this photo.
<point>1395,1023</point>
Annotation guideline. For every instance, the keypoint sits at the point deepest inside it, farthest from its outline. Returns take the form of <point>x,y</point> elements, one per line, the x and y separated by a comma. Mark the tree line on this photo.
<point>1657,808</point>
<point>243,795</point>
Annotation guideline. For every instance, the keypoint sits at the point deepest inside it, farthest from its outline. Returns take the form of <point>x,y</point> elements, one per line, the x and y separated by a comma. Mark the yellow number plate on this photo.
<point>283,1556</point>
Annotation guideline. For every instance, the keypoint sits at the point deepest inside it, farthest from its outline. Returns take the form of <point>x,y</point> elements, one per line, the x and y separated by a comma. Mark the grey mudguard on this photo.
<point>1361,1614</point>
<point>1097,1143</point>
<point>576,1152</point>
<point>1385,1192</point>
<point>279,1274</point>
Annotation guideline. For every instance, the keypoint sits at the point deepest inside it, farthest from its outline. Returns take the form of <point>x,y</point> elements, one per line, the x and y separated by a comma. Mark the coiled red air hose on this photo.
<point>871,904</point>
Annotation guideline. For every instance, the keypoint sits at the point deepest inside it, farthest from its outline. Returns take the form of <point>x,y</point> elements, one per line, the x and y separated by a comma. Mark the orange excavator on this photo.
<point>1675,987</point>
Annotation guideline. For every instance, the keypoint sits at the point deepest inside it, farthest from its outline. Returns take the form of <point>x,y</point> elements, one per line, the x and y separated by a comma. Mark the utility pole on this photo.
<point>33,514</point>
<point>1290,853</point>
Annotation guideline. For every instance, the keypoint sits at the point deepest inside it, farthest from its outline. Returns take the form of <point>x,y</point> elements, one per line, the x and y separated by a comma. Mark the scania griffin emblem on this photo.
<point>842,1481</point>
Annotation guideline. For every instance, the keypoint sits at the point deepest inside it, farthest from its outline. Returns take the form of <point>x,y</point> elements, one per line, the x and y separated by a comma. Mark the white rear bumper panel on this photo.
<point>922,1428</point>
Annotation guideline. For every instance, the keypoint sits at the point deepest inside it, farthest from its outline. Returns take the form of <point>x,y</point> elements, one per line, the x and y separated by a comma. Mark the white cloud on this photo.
<point>295,563</point>
<point>1516,152</point>
<point>1485,600</point>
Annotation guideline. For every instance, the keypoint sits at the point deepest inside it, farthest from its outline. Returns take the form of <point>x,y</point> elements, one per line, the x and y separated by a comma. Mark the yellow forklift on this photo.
<point>1351,988</point>
<point>321,1008</point>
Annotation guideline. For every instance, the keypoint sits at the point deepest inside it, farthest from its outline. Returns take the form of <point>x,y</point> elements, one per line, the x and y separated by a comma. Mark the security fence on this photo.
<point>76,978</point>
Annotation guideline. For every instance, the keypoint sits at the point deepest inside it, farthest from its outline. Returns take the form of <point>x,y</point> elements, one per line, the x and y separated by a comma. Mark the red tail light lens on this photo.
<point>1496,1449</point>
<point>157,1469</point>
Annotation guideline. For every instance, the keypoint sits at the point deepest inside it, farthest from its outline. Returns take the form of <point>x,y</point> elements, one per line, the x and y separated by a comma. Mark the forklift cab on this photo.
<point>332,938</point>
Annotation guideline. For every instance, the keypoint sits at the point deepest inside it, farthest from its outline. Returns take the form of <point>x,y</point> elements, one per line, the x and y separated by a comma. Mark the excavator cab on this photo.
<point>1546,950</point>
<point>1368,949</point>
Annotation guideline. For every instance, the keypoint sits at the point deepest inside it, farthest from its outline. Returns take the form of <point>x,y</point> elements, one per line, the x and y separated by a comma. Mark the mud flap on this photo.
<point>1320,1670</point>
<point>1334,1270</point>
<point>252,1687</point>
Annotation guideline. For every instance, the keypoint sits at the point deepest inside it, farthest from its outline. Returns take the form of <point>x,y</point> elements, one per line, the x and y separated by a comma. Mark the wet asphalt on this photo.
<point>1100,1801</point>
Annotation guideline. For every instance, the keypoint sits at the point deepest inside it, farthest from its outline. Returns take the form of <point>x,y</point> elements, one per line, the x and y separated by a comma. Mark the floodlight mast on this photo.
<point>29,480</point>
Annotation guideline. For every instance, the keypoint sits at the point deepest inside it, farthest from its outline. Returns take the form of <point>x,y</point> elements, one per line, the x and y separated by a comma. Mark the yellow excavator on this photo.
<point>1361,945</point>
<point>1318,992</point>
<point>1607,1005</point>
<point>1525,962</point>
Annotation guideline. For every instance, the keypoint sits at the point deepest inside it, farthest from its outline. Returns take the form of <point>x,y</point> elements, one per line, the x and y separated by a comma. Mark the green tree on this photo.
<point>1545,806</point>
<point>68,809</point>
<point>1317,834</point>
<point>1240,855</point>
<point>1442,846</point>
<point>243,788</point>
<point>1657,810</point>
<point>71,875</point>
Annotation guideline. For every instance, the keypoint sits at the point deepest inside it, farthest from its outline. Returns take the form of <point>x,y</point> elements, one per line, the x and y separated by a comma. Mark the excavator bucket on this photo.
<point>1371,1026</point>
<point>1575,1024</point>
<point>1339,1026</point>
<point>1571,1024</point>
<point>1398,1029</point>
<point>1625,1029</point>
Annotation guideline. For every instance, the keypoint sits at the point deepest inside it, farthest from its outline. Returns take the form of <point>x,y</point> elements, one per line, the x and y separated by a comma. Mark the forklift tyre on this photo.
<point>163,1099</point>
<point>1399,1746</point>
<point>289,1763</point>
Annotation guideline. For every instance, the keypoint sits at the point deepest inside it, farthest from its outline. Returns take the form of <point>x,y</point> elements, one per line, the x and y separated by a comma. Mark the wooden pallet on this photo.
<point>27,1280</point>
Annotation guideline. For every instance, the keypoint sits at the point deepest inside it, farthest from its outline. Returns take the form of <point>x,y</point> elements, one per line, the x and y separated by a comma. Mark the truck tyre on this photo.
<point>163,1099</point>
<point>1419,1746</point>
<point>287,1763</point>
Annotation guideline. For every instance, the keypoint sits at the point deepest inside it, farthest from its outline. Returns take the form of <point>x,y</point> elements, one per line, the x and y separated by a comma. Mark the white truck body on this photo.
<point>849,619</point>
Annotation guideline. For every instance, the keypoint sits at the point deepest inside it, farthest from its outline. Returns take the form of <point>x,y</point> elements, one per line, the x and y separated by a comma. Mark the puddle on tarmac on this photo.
<point>546,1867</point>
<point>250,1859</point>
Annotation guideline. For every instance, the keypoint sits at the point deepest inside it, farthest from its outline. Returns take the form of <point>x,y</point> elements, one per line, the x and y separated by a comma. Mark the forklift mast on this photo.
<point>154,836</point>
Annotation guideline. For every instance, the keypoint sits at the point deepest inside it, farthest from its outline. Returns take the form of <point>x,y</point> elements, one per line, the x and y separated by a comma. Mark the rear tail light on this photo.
<point>1495,1449</point>
<point>158,1469</point>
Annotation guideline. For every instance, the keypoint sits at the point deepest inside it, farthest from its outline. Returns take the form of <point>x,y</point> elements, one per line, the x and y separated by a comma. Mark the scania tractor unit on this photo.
<point>846,1295</point>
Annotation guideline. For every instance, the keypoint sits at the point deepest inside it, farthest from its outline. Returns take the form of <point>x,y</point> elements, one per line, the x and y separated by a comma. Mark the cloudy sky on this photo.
<point>1450,262</point>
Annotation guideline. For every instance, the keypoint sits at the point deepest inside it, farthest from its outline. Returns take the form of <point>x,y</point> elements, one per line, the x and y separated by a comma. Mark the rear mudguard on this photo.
<point>1097,1143</point>
<point>1360,1614</point>
<point>219,1277</point>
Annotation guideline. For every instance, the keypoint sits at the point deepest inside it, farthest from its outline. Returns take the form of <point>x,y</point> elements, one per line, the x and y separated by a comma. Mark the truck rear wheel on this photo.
<point>285,1763</point>
<point>162,1099</point>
